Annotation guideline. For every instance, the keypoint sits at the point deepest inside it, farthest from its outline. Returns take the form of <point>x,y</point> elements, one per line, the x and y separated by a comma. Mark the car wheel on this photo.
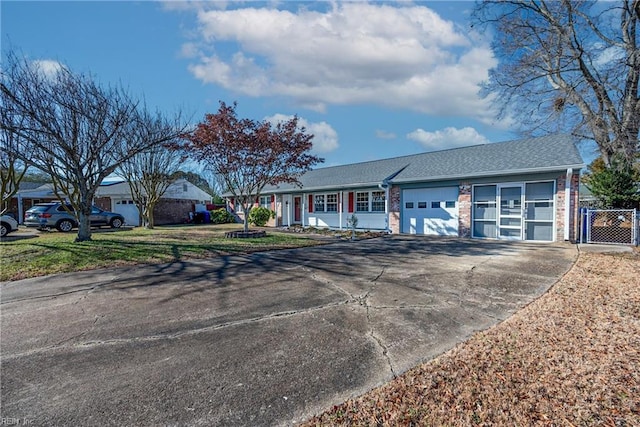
<point>4,229</point>
<point>65,226</point>
<point>116,223</point>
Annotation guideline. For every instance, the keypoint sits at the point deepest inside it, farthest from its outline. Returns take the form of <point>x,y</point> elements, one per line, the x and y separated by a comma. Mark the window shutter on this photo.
<point>351,202</point>
<point>310,203</point>
<point>273,201</point>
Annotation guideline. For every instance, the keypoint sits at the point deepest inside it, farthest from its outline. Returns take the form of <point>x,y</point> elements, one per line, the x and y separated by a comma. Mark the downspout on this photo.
<point>385,186</point>
<point>341,209</point>
<point>567,203</point>
<point>20,209</point>
<point>288,204</point>
<point>304,206</point>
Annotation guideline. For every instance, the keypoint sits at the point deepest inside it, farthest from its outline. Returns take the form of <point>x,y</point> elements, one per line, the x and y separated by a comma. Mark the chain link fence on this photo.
<point>610,226</point>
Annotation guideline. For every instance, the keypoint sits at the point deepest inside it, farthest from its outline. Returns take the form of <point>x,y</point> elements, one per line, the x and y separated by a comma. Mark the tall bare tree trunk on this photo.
<point>84,226</point>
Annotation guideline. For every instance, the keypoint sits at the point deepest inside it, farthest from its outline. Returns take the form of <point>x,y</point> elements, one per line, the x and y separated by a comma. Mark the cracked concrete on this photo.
<point>261,339</point>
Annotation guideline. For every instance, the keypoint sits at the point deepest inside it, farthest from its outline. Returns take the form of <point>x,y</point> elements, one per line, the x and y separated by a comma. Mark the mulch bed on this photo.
<point>570,358</point>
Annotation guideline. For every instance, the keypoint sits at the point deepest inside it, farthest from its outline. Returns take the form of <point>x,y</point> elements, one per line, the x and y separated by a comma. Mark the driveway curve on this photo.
<point>263,339</point>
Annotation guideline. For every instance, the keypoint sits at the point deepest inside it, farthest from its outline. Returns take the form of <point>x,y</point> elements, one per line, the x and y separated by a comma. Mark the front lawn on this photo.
<point>54,252</point>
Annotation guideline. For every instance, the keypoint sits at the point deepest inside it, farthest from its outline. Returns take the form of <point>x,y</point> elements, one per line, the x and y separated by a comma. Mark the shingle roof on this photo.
<point>547,153</point>
<point>27,185</point>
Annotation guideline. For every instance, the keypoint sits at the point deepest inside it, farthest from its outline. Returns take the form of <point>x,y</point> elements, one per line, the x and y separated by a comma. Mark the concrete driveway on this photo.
<point>262,339</point>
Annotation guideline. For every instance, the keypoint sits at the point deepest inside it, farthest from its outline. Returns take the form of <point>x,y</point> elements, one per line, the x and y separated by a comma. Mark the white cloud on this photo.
<point>382,134</point>
<point>189,50</point>
<point>325,138</point>
<point>447,138</point>
<point>48,67</point>
<point>401,56</point>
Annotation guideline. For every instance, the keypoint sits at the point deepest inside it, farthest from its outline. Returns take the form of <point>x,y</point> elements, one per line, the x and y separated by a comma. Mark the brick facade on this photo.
<point>394,209</point>
<point>560,207</point>
<point>103,203</point>
<point>172,211</point>
<point>464,210</point>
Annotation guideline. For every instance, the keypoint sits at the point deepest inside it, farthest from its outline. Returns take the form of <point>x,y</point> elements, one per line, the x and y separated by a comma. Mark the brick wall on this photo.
<point>394,209</point>
<point>573,206</point>
<point>464,209</point>
<point>173,211</point>
<point>103,203</point>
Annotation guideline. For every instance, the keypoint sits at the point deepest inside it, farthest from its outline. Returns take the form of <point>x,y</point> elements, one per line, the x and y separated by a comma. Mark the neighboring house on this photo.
<point>29,194</point>
<point>518,190</point>
<point>180,199</point>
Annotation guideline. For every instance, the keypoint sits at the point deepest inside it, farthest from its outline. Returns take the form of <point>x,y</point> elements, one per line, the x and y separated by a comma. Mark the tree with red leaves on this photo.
<point>249,155</point>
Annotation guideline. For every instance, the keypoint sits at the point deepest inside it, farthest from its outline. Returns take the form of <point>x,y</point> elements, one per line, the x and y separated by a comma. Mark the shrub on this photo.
<point>615,186</point>
<point>259,216</point>
<point>222,216</point>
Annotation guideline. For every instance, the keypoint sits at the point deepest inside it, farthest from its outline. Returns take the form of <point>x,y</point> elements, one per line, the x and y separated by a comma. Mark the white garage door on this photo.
<point>129,211</point>
<point>430,211</point>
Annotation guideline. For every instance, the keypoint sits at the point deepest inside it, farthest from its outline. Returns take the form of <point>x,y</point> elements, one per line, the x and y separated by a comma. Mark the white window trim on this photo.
<point>267,205</point>
<point>325,202</point>
<point>370,202</point>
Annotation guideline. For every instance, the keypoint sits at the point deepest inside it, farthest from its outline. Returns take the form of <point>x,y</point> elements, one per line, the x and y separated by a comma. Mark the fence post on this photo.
<point>636,227</point>
<point>583,224</point>
<point>588,225</point>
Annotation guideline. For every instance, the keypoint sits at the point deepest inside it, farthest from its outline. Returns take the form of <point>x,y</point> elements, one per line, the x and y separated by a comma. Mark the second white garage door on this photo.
<point>430,211</point>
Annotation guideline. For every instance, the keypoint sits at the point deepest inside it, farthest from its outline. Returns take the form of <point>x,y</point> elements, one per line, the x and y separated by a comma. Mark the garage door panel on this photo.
<point>426,211</point>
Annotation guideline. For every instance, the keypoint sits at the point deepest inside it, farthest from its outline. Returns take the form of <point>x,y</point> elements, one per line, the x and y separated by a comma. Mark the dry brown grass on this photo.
<point>571,358</point>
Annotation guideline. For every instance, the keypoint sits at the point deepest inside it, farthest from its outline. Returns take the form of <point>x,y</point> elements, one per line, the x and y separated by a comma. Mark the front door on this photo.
<point>510,212</point>
<point>297,209</point>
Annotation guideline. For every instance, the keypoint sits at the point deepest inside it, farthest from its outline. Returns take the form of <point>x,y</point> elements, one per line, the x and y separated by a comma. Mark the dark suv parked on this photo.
<point>62,217</point>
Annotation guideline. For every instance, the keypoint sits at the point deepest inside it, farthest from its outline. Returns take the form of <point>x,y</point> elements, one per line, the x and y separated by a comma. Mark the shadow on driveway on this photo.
<point>262,339</point>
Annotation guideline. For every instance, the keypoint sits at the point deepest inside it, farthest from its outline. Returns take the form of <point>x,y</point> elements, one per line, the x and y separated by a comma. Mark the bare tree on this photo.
<point>79,132</point>
<point>248,155</point>
<point>569,65</point>
<point>149,174</point>
<point>12,168</point>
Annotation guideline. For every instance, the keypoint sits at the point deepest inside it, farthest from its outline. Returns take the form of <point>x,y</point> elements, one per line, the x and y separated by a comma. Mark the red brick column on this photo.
<point>394,209</point>
<point>464,210</point>
<point>573,207</point>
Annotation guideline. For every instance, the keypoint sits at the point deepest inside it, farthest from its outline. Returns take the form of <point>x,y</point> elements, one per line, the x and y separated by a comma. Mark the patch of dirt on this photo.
<point>338,234</point>
<point>571,358</point>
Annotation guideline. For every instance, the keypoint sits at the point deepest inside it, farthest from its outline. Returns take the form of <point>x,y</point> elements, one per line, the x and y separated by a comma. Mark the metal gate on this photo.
<point>610,226</point>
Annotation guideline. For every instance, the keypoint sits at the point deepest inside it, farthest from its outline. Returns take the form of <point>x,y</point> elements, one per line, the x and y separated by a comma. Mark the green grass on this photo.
<point>54,252</point>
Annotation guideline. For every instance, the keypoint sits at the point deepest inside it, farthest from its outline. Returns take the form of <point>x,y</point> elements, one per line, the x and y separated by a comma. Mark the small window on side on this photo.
<point>450,204</point>
<point>408,205</point>
<point>435,205</point>
<point>422,205</point>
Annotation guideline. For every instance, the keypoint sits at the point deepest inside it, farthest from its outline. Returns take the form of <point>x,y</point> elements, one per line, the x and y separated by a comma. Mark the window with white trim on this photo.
<point>325,202</point>
<point>318,203</point>
<point>265,202</point>
<point>377,201</point>
<point>332,203</point>
<point>362,201</point>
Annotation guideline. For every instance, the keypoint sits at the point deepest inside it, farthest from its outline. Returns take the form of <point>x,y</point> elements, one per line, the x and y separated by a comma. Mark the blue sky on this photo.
<point>369,80</point>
